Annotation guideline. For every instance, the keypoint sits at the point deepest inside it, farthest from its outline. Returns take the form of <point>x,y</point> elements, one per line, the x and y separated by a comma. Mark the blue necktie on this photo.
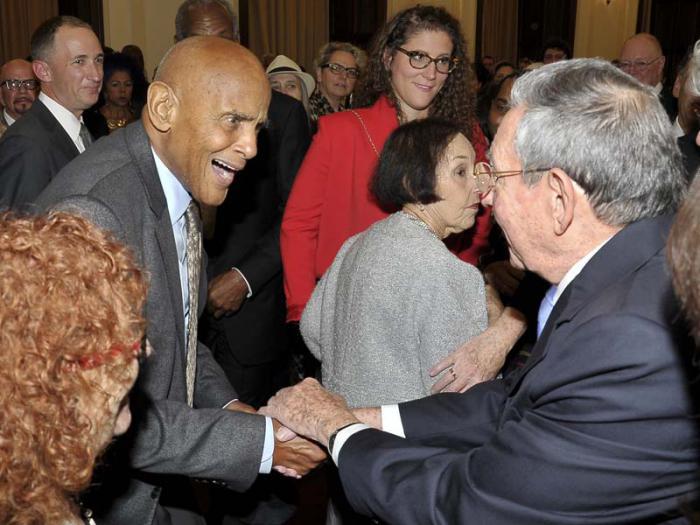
<point>546,307</point>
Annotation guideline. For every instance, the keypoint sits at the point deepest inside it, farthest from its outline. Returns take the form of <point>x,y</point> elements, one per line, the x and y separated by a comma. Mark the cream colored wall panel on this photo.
<point>602,26</point>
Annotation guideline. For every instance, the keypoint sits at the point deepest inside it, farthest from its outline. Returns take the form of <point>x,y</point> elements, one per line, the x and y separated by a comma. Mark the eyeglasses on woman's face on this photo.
<point>421,60</point>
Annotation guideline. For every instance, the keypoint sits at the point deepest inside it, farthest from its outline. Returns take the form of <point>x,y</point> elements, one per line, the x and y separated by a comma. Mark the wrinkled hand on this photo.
<point>503,276</point>
<point>482,357</point>
<point>310,410</point>
<point>295,457</point>
<point>226,293</point>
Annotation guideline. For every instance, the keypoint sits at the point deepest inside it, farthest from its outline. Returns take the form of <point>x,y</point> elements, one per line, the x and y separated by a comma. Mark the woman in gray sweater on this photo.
<point>395,300</point>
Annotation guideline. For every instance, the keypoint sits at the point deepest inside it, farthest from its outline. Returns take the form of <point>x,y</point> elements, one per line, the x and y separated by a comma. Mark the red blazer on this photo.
<point>330,200</point>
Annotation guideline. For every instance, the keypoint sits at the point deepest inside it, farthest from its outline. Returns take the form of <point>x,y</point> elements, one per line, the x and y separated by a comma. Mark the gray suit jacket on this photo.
<point>115,184</point>
<point>32,151</point>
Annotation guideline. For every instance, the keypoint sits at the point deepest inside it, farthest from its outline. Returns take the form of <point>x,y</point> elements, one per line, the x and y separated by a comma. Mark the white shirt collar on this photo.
<point>576,269</point>
<point>65,117</point>
<point>175,193</point>
<point>8,118</point>
<point>657,88</point>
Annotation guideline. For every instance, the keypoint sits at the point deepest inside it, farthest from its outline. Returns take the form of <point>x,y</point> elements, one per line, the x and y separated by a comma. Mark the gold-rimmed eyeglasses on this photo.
<point>486,177</point>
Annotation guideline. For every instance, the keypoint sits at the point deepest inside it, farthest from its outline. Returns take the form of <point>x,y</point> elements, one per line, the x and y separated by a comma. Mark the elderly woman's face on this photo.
<point>336,82</point>
<point>119,88</point>
<point>288,84</point>
<point>108,408</point>
<point>456,187</point>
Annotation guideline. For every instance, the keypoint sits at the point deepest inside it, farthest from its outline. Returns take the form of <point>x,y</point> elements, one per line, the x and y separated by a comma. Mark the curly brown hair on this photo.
<point>455,101</point>
<point>71,315</point>
<point>684,256</point>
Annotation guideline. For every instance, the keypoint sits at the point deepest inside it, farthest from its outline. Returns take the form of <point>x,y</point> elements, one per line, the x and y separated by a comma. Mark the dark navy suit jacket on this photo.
<point>597,427</point>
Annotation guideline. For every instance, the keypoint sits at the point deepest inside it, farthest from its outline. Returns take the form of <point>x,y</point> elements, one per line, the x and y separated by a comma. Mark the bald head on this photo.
<point>204,109</point>
<point>17,97</point>
<point>641,56</point>
<point>205,18</point>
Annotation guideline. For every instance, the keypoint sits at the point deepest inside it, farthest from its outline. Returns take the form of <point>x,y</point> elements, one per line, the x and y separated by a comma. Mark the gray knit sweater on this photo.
<point>393,303</point>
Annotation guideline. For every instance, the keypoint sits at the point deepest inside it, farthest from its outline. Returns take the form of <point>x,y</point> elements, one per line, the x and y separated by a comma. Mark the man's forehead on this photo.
<point>640,47</point>
<point>20,70</point>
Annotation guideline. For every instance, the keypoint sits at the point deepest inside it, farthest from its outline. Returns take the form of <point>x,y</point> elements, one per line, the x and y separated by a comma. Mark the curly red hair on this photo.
<point>69,290</point>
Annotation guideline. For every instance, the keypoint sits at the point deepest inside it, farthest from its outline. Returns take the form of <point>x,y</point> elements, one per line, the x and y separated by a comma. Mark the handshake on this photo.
<point>307,409</point>
<point>293,456</point>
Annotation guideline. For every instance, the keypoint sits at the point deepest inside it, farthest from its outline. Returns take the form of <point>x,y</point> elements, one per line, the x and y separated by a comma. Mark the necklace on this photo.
<point>421,223</point>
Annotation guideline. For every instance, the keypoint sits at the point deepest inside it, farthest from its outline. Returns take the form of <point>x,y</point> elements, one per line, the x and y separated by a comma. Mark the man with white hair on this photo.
<point>599,426</point>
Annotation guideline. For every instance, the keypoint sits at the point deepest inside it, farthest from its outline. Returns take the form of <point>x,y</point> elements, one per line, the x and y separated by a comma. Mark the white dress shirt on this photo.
<point>8,118</point>
<point>178,199</point>
<point>66,119</point>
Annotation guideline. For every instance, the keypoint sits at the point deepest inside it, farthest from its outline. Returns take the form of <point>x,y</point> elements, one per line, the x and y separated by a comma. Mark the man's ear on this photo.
<point>162,105</point>
<point>563,199</point>
<point>42,70</point>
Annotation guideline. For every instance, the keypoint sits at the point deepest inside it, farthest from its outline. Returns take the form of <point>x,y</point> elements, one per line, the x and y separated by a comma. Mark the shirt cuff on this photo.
<point>391,420</point>
<point>342,436</point>
<point>268,448</point>
<point>227,404</point>
<point>250,290</point>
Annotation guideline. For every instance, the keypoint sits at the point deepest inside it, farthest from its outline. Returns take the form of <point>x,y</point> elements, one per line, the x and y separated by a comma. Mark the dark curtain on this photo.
<point>498,29</point>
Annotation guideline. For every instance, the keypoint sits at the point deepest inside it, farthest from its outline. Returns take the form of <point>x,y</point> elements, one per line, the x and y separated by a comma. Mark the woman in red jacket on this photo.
<point>417,68</point>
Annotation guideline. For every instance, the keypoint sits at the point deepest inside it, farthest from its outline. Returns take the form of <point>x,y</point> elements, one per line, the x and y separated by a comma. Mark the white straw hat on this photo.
<point>283,64</point>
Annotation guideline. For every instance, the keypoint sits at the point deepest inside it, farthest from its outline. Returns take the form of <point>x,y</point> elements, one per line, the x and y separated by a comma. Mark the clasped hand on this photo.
<point>293,456</point>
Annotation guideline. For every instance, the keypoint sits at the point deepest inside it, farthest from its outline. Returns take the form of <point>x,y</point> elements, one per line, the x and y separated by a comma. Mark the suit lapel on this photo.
<point>629,249</point>
<point>58,135</point>
<point>140,150</point>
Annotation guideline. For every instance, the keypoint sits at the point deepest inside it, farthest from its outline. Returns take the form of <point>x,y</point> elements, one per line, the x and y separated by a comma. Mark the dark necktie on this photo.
<point>85,136</point>
<point>194,254</point>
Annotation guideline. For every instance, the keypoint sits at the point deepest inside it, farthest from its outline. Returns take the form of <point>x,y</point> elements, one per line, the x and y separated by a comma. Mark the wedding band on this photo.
<point>452,371</point>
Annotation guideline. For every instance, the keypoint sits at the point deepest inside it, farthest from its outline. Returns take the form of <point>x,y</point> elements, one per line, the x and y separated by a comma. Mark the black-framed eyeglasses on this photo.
<point>14,84</point>
<point>636,64</point>
<point>421,60</point>
<point>486,177</point>
<point>339,70</point>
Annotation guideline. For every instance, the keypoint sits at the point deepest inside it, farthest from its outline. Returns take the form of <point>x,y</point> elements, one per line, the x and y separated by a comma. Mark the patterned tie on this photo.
<point>194,255</point>
<point>85,135</point>
<point>546,307</point>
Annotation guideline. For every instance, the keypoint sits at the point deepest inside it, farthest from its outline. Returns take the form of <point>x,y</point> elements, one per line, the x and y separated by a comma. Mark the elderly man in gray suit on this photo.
<point>198,130</point>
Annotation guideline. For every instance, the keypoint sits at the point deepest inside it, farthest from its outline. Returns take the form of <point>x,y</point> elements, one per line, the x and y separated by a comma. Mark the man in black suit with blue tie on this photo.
<point>600,424</point>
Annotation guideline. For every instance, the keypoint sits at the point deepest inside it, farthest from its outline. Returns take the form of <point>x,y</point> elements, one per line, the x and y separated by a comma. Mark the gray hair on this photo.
<point>693,78</point>
<point>607,131</point>
<point>326,50</point>
<point>182,21</point>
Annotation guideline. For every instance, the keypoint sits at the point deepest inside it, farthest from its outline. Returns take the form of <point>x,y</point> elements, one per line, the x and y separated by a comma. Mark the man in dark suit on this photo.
<point>246,327</point>
<point>18,90</point>
<point>68,63</point>
<point>599,426</point>
<point>143,184</point>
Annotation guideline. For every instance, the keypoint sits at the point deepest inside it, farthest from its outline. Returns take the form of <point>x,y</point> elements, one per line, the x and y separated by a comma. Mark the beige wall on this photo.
<point>602,27</point>
<point>150,24</point>
<point>463,10</point>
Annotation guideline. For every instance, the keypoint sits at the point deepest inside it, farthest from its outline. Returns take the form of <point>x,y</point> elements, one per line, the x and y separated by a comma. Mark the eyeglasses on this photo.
<point>337,69</point>
<point>486,177</point>
<point>14,84</point>
<point>420,60</point>
<point>637,64</point>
